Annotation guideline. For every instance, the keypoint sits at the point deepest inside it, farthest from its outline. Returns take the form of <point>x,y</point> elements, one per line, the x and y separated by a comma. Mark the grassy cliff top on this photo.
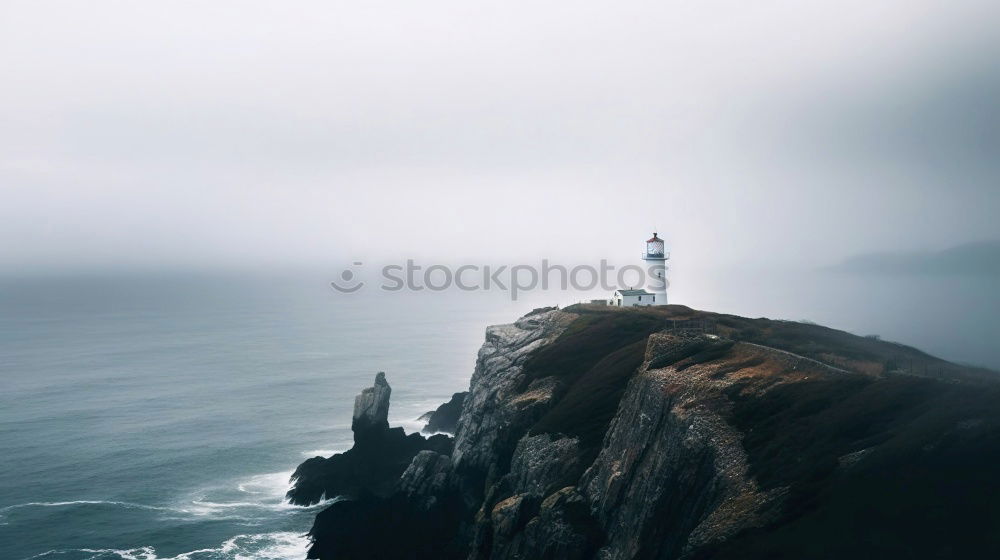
<point>868,439</point>
<point>841,349</point>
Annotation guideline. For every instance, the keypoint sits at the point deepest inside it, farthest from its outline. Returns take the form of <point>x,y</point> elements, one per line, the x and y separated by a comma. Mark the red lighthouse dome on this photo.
<point>654,247</point>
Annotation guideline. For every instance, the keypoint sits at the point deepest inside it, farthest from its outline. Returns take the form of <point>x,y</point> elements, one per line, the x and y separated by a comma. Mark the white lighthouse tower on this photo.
<point>657,259</point>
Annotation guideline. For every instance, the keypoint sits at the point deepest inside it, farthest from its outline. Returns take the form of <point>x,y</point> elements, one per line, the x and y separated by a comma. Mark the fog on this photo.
<point>761,140</point>
<point>186,133</point>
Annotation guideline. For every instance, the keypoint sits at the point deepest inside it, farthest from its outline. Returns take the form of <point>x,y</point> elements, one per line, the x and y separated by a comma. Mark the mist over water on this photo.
<point>160,416</point>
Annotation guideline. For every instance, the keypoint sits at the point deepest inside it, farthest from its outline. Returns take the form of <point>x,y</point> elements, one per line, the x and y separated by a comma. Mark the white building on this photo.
<point>633,298</point>
<point>657,257</point>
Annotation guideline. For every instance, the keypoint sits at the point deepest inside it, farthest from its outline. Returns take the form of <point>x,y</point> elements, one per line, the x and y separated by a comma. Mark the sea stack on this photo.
<point>371,409</point>
<point>377,460</point>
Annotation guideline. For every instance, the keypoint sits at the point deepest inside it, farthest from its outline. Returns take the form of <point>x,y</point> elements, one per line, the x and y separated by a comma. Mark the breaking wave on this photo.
<point>259,492</point>
<point>321,453</point>
<point>257,500</point>
<point>126,505</point>
<point>244,500</point>
<point>265,546</point>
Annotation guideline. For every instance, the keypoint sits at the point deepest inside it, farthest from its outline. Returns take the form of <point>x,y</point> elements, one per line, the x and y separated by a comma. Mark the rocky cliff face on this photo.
<point>607,433</point>
<point>670,454</point>
<point>502,404</point>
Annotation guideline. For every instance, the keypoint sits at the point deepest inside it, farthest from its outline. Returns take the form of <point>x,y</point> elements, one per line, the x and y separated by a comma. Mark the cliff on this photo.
<point>608,433</point>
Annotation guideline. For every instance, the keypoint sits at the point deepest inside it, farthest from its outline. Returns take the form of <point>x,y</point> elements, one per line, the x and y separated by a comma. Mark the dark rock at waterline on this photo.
<point>421,519</point>
<point>445,418</point>
<point>387,528</point>
<point>379,456</point>
<point>370,467</point>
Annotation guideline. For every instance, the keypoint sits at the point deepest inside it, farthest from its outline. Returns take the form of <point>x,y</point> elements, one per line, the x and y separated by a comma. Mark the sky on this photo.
<point>250,133</point>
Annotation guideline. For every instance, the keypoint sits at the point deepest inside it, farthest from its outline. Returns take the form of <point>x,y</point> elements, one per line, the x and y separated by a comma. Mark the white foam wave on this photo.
<point>263,546</point>
<point>199,508</point>
<point>203,508</point>
<point>237,501</point>
<point>270,484</point>
<point>321,453</point>
<point>144,553</point>
<point>217,510</point>
<point>441,432</point>
<point>128,505</point>
<point>262,492</point>
<point>409,425</point>
<point>271,546</point>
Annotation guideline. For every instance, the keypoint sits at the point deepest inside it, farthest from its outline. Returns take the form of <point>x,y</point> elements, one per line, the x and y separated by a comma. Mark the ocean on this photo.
<point>159,416</point>
<point>154,417</point>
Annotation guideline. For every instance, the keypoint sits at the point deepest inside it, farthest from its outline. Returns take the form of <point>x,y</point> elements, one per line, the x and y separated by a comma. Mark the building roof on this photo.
<point>634,292</point>
<point>654,238</point>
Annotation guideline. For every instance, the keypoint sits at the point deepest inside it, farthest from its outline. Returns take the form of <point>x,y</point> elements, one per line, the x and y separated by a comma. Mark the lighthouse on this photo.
<point>656,257</point>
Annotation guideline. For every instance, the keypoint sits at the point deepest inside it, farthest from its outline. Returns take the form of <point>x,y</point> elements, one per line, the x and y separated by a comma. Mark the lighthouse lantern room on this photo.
<point>654,247</point>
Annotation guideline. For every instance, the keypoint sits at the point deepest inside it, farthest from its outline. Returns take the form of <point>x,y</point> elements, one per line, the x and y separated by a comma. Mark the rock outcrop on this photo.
<point>445,417</point>
<point>669,454</point>
<point>499,410</point>
<point>371,410</point>
<point>613,434</point>
<point>373,466</point>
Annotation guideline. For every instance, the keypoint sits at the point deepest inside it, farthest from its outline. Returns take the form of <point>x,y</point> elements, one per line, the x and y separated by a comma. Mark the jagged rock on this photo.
<point>540,465</point>
<point>371,409</point>
<point>495,414</point>
<point>655,465</point>
<point>425,478</point>
<point>559,527</point>
<point>563,529</point>
<point>544,463</point>
<point>445,417</point>
<point>386,528</point>
<point>420,519</point>
<point>373,466</point>
<point>670,454</point>
<point>511,514</point>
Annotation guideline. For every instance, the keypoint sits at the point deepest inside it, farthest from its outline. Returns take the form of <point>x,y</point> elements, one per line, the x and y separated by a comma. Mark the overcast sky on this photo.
<point>171,133</point>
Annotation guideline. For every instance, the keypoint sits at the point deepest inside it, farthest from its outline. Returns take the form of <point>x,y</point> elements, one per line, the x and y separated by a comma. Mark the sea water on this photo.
<point>160,416</point>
